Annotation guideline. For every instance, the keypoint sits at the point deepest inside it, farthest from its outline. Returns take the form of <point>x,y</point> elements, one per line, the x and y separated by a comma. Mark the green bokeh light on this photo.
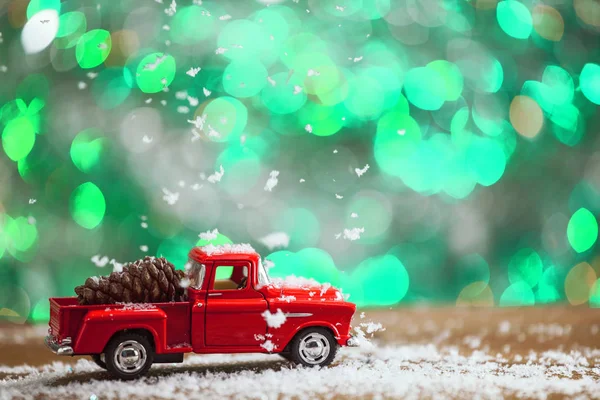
<point>192,24</point>
<point>589,81</point>
<point>36,6</point>
<point>525,266</point>
<point>426,88</point>
<point>308,263</point>
<point>244,78</point>
<point>516,295</point>
<point>87,205</point>
<point>451,76</point>
<point>112,87</point>
<point>514,18</point>
<point>155,72</point>
<point>398,136</point>
<point>226,118</point>
<point>86,149</point>
<point>71,26</point>
<point>18,138</point>
<point>281,96</point>
<point>93,48</point>
<point>582,230</point>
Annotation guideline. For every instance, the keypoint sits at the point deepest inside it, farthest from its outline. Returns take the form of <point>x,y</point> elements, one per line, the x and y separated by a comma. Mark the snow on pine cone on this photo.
<point>149,280</point>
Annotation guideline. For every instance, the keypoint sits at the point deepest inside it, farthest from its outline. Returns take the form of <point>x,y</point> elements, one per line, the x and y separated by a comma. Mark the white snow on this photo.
<point>206,92</point>
<point>170,197</point>
<point>241,248</point>
<point>216,177</point>
<point>308,128</point>
<point>39,31</point>
<point>32,201</point>
<point>353,234</point>
<point>144,248</point>
<point>275,240</point>
<point>209,235</point>
<point>361,172</point>
<point>395,371</point>
<point>272,181</point>
<point>287,299</point>
<point>100,261</point>
<point>274,320</point>
<point>193,71</point>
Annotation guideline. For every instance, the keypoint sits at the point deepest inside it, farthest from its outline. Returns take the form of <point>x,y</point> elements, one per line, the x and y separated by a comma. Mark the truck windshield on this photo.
<point>263,277</point>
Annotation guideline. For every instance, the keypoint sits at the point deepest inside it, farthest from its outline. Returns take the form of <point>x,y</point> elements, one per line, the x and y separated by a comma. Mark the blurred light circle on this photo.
<point>553,234</point>
<point>139,123</point>
<point>490,112</point>
<point>36,6</point>
<point>481,70</point>
<point>589,81</point>
<point>339,92</point>
<point>192,24</point>
<point>20,236</point>
<point>588,11</point>
<point>39,31</point>
<point>517,295</point>
<point>526,116</point>
<point>487,159</point>
<point>301,225</point>
<point>374,9</point>
<point>429,13</point>
<point>425,88</point>
<point>309,263</point>
<point>155,72</point>
<point>63,59</point>
<point>112,87</point>
<point>374,214</point>
<point>125,45</point>
<point>476,294</point>
<point>93,48</point>
<point>559,83</point>
<point>87,205</point>
<point>18,138</point>
<point>548,23</point>
<point>412,34</point>
<point>514,19</point>
<point>87,148</point>
<point>225,119</point>
<point>579,282</point>
<point>273,21</point>
<point>389,81</point>
<point>451,77</point>
<point>280,96</point>
<point>582,231</point>
<point>72,26</point>
<point>568,124</point>
<point>324,121</point>
<point>472,268</point>
<point>243,39</point>
<point>242,168</point>
<point>304,42</point>
<point>14,304</point>
<point>364,97</point>
<point>398,136</point>
<point>525,266</point>
<point>244,78</point>
<point>383,281</point>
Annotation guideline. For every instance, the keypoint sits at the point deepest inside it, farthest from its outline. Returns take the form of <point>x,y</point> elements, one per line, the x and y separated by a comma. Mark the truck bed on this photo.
<point>67,317</point>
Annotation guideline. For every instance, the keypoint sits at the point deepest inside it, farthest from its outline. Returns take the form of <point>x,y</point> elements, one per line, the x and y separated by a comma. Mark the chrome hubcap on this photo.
<point>130,356</point>
<point>314,348</point>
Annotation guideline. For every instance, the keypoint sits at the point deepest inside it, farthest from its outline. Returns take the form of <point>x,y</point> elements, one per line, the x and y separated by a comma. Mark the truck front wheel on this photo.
<point>98,359</point>
<point>129,356</point>
<point>313,347</point>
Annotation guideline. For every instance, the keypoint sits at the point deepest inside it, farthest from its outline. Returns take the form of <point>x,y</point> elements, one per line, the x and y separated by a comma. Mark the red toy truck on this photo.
<point>243,313</point>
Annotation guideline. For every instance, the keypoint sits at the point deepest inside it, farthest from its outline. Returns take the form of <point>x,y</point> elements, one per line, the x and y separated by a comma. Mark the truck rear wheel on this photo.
<point>129,356</point>
<point>97,358</point>
<point>313,347</point>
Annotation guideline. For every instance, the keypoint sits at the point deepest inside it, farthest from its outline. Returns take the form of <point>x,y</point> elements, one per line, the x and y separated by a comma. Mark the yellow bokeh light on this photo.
<point>526,116</point>
<point>588,11</point>
<point>476,294</point>
<point>579,282</point>
<point>548,22</point>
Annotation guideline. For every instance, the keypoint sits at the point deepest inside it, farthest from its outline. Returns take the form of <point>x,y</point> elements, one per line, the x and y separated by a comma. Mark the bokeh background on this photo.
<point>408,151</point>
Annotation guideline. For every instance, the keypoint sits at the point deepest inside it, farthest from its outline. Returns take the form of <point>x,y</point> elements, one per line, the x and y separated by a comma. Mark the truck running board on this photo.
<point>168,358</point>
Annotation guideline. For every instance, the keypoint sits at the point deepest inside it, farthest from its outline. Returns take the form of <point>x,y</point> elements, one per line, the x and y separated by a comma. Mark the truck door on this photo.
<point>234,308</point>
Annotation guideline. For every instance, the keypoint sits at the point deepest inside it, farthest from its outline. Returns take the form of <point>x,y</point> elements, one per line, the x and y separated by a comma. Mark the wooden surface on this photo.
<point>512,334</point>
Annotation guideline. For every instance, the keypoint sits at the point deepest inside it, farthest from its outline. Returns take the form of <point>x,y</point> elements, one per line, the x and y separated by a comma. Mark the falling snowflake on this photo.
<point>99,261</point>
<point>181,94</point>
<point>193,71</point>
<point>163,102</point>
<point>297,89</point>
<point>170,197</point>
<point>147,139</point>
<point>272,181</point>
<point>271,81</point>
<point>216,177</point>
<point>354,215</point>
<point>3,68</point>
<point>401,132</point>
<point>308,128</point>
<point>212,133</point>
<point>166,28</point>
<point>152,66</point>
<point>81,85</point>
<point>144,248</point>
<point>195,135</point>
<point>183,109</point>
<point>148,101</point>
<point>144,225</point>
<point>199,121</point>
<point>221,50</point>
<point>225,17</point>
<point>206,92</point>
<point>339,196</point>
<point>172,9</point>
<point>32,201</point>
<point>275,240</point>
<point>353,234</point>
<point>92,75</point>
<point>302,180</point>
<point>335,151</point>
<point>181,183</point>
<point>193,101</point>
<point>361,172</point>
<point>357,59</point>
<point>268,346</point>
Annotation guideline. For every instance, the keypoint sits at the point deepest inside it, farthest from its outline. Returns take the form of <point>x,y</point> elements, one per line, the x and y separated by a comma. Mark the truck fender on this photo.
<point>100,326</point>
<point>311,324</point>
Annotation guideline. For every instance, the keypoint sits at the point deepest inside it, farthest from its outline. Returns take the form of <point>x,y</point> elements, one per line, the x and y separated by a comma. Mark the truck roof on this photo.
<point>224,252</point>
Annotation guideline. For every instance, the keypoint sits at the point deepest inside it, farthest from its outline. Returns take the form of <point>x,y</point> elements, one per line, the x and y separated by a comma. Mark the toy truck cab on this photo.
<point>232,307</point>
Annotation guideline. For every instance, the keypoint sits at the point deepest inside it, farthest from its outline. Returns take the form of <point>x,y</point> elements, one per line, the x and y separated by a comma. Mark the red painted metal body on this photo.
<point>212,320</point>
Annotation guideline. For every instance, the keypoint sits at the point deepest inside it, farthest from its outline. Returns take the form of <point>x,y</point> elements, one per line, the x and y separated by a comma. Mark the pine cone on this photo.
<point>149,280</point>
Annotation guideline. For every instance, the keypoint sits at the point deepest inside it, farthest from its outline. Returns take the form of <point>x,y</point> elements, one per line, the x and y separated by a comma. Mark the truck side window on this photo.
<point>197,272</point>
<point>230,278</point>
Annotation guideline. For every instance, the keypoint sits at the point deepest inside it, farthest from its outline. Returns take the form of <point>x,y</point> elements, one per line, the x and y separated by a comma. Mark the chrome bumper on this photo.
<point>62,349</point>
<point>353,342</point>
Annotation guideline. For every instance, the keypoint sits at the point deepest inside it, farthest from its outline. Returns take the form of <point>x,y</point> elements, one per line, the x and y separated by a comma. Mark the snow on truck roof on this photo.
<point>223,250</point>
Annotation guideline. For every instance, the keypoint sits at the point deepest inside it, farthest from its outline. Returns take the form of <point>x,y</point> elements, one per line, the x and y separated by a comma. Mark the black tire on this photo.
<point>96,358</point>
<point>141,356</point>
<point>285,355</point>
<point>321,338</point>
